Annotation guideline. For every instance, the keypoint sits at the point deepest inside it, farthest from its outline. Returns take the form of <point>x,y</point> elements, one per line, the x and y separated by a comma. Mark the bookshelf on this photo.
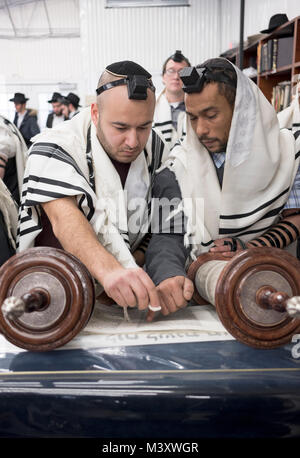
<point>283,46</point>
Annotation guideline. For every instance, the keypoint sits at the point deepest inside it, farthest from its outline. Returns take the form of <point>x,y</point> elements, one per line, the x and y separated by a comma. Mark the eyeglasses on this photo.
<point>172,71</point>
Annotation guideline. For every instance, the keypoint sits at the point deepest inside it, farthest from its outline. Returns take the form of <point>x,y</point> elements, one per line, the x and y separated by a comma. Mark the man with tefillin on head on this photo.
<point>90,175</point>
<point>233,176</point>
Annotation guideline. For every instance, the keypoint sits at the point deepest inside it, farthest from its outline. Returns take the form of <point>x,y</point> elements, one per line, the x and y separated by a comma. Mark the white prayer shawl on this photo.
<point>12,144</point>
<point>260,167</point>
<point>9,211</point>
<point>163,121</point>
<point>290,117</point>
<point>72,169</point>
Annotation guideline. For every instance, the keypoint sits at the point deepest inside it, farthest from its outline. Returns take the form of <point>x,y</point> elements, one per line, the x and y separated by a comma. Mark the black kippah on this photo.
<point>126,68</point>
<point>137,79</point>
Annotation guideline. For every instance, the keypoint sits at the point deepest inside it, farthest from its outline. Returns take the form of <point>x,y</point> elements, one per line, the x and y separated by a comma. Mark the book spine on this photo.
<point>270,55</point>
<point>258,63</point>
<point>275,49</point>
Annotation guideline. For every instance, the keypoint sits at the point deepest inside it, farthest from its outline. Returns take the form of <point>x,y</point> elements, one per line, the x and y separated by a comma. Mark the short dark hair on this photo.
<point>227,90</point>
<point>179,58</point>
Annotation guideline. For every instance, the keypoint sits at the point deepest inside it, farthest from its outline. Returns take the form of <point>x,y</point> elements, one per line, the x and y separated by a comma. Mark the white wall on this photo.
<point>257,15</point>
<point>36,65</point>
<point>148,35</point>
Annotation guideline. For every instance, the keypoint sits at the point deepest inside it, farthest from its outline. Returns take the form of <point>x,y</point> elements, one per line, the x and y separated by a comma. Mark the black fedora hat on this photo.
<point>56,97</point>
<point>19,98</point>
<point>276,21</point>
<point>74,99</point>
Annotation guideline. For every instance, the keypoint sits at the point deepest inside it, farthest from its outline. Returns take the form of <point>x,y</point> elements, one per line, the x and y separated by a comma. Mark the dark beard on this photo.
<point>221,149</point>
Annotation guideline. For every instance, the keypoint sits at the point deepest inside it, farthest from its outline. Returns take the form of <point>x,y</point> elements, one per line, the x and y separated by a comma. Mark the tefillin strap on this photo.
<point>137,86</point>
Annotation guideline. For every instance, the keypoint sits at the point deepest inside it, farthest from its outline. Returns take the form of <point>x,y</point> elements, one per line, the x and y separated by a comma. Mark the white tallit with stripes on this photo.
<point>9,210</point>
<point>260,167</point>
<point>70,161</point>
<point>163,121</point>
<point>12,144</point>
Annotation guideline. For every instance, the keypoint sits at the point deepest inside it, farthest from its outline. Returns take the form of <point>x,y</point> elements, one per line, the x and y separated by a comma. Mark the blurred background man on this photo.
<point>56,116</point>
<point>70,105</point>
<point>25,118</point>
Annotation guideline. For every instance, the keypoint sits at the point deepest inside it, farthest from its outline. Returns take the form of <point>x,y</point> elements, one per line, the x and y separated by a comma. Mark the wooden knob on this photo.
<point>53,298</point>
<point>35,300</point>
<point>268,298</point>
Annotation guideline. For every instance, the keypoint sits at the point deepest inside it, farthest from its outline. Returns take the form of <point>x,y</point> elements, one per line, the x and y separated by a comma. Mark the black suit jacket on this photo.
<point>29,126</point>
<point>49,120</point>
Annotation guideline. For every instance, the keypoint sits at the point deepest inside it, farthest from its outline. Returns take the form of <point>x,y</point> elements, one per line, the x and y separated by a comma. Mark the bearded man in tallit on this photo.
<point>233,178</point>
<point>93,177</point>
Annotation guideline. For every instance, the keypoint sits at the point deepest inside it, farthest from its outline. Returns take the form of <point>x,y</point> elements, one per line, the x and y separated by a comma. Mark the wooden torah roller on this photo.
<point>255,294</point>
<point>46,298</point>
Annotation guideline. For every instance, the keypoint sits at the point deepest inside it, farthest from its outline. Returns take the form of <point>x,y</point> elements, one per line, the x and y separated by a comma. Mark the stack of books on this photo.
<point>275,54</point>
<point>281,95</point>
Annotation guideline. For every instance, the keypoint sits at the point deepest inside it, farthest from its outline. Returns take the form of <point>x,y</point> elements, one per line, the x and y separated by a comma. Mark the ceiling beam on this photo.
<point>48,18</point>
<point>10,17</point>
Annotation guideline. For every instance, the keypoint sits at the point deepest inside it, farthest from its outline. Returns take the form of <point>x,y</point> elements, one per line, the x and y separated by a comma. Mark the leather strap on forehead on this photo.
<point>131,74</point>
<point>137,86</point>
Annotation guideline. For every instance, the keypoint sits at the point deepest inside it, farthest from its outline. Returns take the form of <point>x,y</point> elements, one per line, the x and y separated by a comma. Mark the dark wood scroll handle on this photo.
<point>35,300</point>
<point>267,297</point>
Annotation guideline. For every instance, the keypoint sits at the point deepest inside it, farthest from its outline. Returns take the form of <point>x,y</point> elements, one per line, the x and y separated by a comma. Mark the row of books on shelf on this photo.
<point>281,95</point>
<point>274,54</point>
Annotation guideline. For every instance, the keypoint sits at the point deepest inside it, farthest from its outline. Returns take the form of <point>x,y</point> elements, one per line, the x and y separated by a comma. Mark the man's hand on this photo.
<point>225,250</point>
<point>174,294</point>
<point>127,287</point>
<point>131,287</point>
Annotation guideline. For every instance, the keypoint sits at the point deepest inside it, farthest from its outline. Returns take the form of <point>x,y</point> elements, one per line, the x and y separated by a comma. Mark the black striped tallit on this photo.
<point>52,173</point>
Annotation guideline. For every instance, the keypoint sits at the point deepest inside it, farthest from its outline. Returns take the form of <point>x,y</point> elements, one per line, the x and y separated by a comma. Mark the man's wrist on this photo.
<point>169,276</point>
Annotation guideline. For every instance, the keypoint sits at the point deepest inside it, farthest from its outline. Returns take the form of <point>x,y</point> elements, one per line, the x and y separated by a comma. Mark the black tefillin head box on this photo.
<point>137,87</point>
<point>193,79</point>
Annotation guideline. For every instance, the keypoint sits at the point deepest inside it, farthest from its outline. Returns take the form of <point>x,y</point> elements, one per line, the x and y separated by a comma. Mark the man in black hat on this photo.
<point>25,119</point>
<point>169,116</point>
<point>70,105</point>
<point>56,116</point>
<point>93,177</point>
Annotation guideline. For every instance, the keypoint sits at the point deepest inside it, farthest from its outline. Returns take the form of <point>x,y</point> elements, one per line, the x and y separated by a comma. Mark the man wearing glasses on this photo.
<point>169,116</point>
